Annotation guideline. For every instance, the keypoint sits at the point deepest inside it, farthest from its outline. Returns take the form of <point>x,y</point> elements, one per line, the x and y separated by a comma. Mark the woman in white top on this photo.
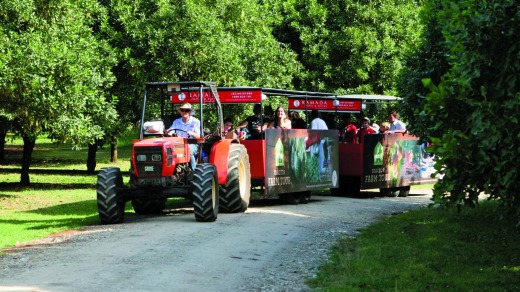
<point>280,120</point>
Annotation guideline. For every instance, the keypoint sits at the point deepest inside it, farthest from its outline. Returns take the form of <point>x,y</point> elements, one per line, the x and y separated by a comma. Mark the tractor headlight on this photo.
<point>156,157</point>
<point>141,157</point>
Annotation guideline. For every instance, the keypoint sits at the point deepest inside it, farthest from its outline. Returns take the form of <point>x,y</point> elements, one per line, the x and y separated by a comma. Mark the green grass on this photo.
<point>59,197</point>
<point>427,250</point>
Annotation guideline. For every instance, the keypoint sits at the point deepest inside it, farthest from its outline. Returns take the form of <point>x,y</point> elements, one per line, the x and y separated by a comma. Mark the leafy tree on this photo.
<point>55,72</point>
<point>428,60</point>
<point>474,109</point>
<point>229,42</point>
<point>349,46</point>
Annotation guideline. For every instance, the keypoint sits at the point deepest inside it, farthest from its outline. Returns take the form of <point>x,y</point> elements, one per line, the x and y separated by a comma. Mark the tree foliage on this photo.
<point>226,41</point>
<point>350,46</point>
<point>474,122</point>
<point>54,72</point>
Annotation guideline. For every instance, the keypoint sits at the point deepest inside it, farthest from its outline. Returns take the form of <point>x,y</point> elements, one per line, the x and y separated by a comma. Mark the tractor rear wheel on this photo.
<point>110,210</point>
<point>205,192</point>
<point>236,194</point>
<point>147,206</point>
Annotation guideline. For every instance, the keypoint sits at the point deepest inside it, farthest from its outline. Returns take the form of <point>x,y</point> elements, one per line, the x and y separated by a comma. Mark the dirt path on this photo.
<point>270,247</point>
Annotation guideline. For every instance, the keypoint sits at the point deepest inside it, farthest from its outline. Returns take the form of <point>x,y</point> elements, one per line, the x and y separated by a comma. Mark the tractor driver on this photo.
<point>188,126</point>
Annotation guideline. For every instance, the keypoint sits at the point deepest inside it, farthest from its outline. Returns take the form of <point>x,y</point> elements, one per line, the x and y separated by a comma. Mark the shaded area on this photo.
<point>53,171</point>
<point>43,186</point>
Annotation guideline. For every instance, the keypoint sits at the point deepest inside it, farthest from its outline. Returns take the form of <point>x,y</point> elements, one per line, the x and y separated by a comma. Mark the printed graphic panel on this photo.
<point>395,160</point>
<point>300,160</point>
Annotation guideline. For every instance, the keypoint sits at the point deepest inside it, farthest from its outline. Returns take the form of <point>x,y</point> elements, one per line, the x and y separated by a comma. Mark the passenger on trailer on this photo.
<point>281,121</point>
<point>251,127</point>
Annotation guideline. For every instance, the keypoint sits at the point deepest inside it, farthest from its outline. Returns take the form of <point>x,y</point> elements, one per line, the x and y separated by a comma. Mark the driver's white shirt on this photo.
<point>192,125</point>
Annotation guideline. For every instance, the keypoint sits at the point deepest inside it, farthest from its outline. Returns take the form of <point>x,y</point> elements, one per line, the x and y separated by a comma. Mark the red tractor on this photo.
<point>160,165</point>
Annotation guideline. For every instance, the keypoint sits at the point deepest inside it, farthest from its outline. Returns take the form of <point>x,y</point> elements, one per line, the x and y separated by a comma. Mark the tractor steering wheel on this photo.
<point>175,134</point>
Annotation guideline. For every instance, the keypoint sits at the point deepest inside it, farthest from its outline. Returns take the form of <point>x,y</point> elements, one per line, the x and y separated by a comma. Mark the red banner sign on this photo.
<point>350,105</point>
<point>226,96</point>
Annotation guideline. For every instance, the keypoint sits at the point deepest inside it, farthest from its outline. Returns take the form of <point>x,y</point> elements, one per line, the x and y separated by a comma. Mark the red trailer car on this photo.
<point>389,162</point>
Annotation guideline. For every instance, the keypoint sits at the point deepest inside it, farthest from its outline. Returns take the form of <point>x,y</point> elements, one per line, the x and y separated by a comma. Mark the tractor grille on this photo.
<point>149,161</point>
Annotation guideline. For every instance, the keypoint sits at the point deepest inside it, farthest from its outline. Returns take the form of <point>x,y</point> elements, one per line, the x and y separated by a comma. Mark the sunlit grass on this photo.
<point>61,196</point>
<point>30,214</point>
<point>428,250</point>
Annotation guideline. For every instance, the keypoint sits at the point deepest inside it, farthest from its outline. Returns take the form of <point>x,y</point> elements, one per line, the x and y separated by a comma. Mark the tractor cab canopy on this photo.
<point>172,93</point>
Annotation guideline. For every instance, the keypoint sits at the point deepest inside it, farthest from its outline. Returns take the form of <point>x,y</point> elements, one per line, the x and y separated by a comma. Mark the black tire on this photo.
<point>236,194</point>
<point>291,198</point>
<point>205,192</point>
<point>404,191</point>
<point>389,192</point>
<point>147,207</point>
<point>305,197</point>
<point>110,210</point>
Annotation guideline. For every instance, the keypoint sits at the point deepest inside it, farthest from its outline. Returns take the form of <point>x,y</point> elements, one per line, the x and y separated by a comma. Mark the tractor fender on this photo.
<point>219,156</point>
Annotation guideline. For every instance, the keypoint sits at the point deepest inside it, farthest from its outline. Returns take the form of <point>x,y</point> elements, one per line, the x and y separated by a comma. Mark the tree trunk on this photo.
<point>28,147</point>
<point>113,151</point>
<point>3,134</point>
<point>91,159</point>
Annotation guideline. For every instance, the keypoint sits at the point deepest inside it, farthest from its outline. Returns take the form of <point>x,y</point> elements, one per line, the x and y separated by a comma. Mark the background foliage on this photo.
<point>471,110</point>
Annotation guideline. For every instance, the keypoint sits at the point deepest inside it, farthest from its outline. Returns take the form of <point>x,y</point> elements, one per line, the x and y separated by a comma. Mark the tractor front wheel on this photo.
<point>110,209</point>
<point>205,192</point>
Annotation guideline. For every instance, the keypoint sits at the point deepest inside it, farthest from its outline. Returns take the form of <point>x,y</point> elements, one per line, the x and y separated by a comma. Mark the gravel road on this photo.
<point>270,247</point>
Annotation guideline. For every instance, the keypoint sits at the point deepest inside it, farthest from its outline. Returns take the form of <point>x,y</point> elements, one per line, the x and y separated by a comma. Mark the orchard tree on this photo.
<point>349,46</point>
<point>427,61</point>
<point>55,72</point>
<point>474,106</point>
<point>229,42</point>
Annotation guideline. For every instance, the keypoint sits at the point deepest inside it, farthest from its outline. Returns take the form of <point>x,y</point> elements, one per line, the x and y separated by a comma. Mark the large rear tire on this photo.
<point>205,192</point>
<point>110,209</point>
<point>236,194</point>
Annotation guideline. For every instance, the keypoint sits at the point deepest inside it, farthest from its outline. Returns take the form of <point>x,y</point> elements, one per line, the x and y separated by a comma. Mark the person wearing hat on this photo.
<point>189,127</point>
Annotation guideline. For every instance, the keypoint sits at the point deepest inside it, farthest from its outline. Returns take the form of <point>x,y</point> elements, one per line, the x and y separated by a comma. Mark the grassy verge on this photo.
<point>59,197</point>
<point>427,250</point>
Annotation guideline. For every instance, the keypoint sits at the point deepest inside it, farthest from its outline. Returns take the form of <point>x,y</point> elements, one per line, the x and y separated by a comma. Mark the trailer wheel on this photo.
<point>236,194</point>
<point>291,198</point>
<point>404,191</point>
<point>110,209</point>
<point>305,197</point>
<point>205,192</point>
<point>146,206</point>
<point>389,192</point>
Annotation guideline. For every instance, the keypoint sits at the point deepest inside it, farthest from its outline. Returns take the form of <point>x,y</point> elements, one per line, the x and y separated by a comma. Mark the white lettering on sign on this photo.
<point>148,168</point>
<point>279,181</point>
<point>372,178</point>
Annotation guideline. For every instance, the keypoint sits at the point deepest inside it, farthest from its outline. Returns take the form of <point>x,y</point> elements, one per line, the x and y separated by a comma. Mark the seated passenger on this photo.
<point>251,127</point>
<point>280,120</point>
